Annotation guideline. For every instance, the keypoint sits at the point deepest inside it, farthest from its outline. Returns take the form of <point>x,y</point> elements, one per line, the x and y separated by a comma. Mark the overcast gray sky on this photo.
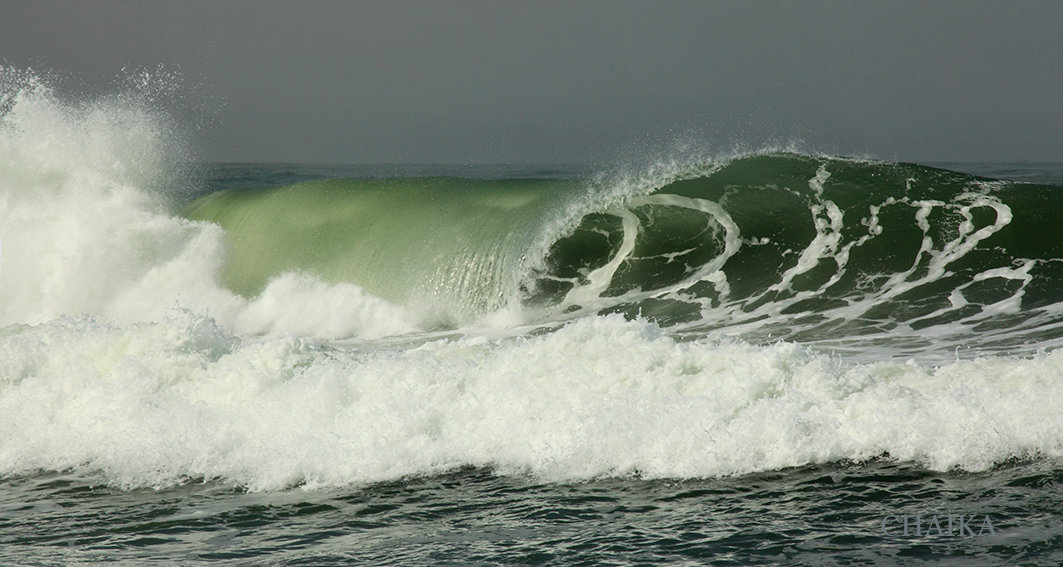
<point>478,81</point>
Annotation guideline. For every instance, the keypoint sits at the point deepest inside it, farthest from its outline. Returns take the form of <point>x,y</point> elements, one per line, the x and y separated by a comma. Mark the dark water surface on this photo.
<point>840,514</point>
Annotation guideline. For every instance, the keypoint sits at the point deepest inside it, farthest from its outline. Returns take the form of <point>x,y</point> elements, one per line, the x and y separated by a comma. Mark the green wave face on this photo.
<point>772,246</point>
<point>817,249</point>
<point>426,243</point>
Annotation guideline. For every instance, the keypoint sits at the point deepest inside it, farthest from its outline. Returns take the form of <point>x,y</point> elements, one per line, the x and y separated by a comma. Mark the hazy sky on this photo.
<point>477,81</point>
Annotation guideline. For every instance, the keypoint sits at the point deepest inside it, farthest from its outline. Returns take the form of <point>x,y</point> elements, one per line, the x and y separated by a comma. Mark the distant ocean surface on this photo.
<point>764,358</point>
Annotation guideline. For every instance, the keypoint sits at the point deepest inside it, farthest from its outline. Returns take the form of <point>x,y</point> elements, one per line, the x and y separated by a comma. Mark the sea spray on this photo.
<point>87,189</point>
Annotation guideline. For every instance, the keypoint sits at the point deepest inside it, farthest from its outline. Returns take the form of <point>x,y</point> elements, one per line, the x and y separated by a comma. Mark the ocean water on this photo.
<point>768,357</point>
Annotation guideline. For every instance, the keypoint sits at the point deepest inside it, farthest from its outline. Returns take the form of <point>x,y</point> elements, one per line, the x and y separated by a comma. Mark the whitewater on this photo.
<point>228,335</point>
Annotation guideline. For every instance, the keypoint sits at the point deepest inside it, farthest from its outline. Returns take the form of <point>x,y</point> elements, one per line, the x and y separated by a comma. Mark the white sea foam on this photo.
<point>156,403</point>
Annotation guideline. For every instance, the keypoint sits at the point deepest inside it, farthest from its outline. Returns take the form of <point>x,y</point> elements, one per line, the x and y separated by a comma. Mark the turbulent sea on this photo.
<point>767,357</point>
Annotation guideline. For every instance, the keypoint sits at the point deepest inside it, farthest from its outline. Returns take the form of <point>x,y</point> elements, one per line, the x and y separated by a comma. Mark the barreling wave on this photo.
<point>774,245</point>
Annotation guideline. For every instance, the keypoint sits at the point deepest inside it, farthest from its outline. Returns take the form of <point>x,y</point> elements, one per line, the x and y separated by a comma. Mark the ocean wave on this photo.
<point>701,318</point>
